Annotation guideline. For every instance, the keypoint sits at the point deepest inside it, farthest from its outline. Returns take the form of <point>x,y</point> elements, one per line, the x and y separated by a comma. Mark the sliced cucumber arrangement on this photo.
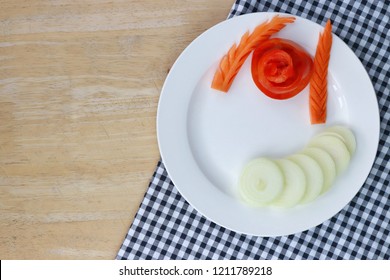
<point>301,177</point>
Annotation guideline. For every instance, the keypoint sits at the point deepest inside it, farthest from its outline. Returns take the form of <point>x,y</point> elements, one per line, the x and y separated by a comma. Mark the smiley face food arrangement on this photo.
<point>281,69</point>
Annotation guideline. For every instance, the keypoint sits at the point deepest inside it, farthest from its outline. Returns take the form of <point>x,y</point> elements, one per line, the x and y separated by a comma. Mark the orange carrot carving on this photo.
<point>231,62</point>
<point>318,95</point>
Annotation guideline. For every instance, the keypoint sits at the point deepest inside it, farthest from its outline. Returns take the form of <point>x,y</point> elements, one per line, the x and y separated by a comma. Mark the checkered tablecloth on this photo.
<point>167,227</point>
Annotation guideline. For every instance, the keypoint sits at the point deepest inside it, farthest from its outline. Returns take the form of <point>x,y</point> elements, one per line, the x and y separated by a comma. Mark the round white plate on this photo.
<point>206,136</point>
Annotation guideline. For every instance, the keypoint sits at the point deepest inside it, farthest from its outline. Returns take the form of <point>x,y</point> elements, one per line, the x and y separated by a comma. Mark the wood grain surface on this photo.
<point>79,87</point>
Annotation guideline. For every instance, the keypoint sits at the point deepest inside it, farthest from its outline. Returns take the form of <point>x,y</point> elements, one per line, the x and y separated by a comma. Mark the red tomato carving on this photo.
<point>281,68</point>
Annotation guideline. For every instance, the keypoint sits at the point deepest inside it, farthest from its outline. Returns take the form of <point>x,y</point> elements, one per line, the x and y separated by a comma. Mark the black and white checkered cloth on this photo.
<point>167,227</point>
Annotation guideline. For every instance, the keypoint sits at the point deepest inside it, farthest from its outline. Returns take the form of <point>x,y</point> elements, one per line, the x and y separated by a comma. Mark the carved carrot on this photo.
<point>231,62</point>
<point>318,95</point>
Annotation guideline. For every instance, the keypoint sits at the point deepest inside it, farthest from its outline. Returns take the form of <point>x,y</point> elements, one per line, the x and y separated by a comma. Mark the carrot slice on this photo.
<point>232,61</point>
<point>318,95</point>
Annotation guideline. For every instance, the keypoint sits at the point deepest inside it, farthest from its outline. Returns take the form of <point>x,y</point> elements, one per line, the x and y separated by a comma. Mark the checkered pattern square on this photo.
<point>167,227</point>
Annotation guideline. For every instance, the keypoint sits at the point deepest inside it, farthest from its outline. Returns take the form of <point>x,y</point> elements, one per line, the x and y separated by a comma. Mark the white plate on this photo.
<point>206,137</point>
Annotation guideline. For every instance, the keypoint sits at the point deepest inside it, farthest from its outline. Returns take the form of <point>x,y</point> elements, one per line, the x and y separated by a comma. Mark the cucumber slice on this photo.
<point>261,181</point>
<point>335,148</point>
<point>347,136</point>
<point>326,163</point>
<point>313,174</point>
<point>294,184</point>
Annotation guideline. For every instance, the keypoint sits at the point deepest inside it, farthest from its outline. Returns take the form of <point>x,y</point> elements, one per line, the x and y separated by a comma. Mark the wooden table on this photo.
<point>79,87</point>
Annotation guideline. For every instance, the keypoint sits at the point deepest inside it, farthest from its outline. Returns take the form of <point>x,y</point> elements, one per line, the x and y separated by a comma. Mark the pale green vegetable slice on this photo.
<point>294,184</point>
<point>261,181</point>
<point>330,133</point>
<point>326,163</point>
<point>335,148</point>
<point>313,174</point>
<point>347,136</point>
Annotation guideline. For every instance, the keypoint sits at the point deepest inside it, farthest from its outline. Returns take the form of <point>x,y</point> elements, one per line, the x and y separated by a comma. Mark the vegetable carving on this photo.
<point>318,82</point>
<point>231,62</point>
<point>281,68</point>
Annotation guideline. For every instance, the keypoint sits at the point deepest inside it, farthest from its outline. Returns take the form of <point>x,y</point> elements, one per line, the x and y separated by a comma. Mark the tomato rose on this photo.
<point>281,68</point>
